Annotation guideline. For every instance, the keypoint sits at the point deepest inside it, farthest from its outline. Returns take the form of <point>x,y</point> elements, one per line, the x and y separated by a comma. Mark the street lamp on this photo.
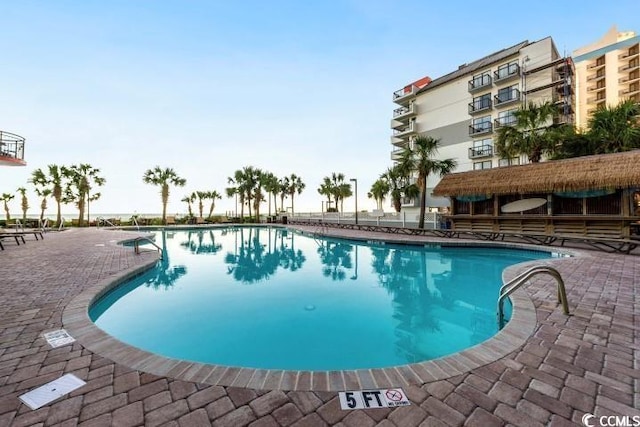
<point>355,181</point>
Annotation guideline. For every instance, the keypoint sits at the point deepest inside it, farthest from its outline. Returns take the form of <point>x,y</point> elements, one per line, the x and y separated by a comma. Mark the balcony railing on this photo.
<point>480,128</point>
<point>628,92</point>
<point>629,79</point>
<point>479,105</point>
<point>595,66</point>
<point>596,77</point>
<point>405,92</point>
<point>403,131</point>
<point>480,82</point>
<point>484,151</point>
<point>504,121</point>
<point>11,149</point>
<point>402,111</point>
<point>627,55</point>
<point>596,100</point>
<point>507,97</point>
<point>595,88</point>
<point>506,73</point>
<point>629,67</point>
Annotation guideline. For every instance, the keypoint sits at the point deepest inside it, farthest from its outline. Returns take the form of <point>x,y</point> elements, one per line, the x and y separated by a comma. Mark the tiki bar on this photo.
<point>591,198</point>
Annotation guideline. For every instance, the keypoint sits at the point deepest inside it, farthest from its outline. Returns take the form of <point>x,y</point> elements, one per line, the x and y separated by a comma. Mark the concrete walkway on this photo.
<point>585,363</point>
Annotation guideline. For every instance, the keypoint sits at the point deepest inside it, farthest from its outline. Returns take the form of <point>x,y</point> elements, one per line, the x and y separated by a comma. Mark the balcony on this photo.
<point>479,105</point>
<point>596,100</point>
<point>629,92</point>
<point>504,121</point>
<point>596,77</point>
<point>506,73</point>
<point>629,67</point>
<point>397,154</point>
<point>480,83</point>
<point>507,97</point>
<point>596,66</point>
<point>629,79</point>
<point>628,55</point>
<point>404,131</point>
<point>404,112</point>
<point>480,128</point>
<point>11,149</point>
<point>404,95</point>
<point>479,152</point>
<point>595,88</point>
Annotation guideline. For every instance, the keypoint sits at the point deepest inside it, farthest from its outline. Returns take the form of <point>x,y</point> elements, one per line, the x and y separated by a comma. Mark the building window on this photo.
<point>509,162</point>
<point>506,118</point>
<point>482,165</point>
<point>482,124</point>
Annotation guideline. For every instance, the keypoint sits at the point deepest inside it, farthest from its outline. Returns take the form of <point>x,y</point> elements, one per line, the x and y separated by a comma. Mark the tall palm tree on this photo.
<point>40,183</point>
<point>326,189</point>
<point>295,185</point>
<point>343,191</point>
<point>272,187</point>
<point>44,193</point>
<point>419,159</point>
<point>233,191</point>
<point>258,179</point>
<point>24,203</point>
<point>532,134</point>
<point>163,178</point>
<point>6,198</point>
<point>615,129</point>
<point>213,195</point>
<point>80,181</point>
<point>379,191</point>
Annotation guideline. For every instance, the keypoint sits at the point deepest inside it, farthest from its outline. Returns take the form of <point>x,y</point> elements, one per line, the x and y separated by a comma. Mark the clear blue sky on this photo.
<point>207,87</point>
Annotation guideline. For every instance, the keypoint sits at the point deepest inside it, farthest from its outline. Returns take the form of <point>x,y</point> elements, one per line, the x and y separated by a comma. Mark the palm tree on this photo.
<point>201,195</point>
<point>615,129</point>
<point>295,185</point>
<point>257,181</point>
<point>6,198</point>
<point>233,191</point>
<point>419,159</point>
<point>188,200</point>
<point>284,191</point>
<point>213,195</point>
<point>272,186</point>
<point>325,189</point>
<point>53,182</point>
<point>24,204</point>
<point>78,187</point>
<point>343,191</point>
<point>531,135</point>
<point>44,193</point>
<point>395,180</point>
<point>163,178</point>
<point>379,191</point>
<point>40,182</point>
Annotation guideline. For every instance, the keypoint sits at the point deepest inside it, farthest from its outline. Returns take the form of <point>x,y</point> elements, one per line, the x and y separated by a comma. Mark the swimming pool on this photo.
<point>271,298</point>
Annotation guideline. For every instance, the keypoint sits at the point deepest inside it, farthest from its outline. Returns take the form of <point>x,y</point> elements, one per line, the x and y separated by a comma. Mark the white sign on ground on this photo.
<point>49,392</point>
<point>367,399</point>
<point>58,338</point>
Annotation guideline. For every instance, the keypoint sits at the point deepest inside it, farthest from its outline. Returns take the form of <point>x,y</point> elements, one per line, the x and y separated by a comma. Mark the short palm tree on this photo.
<point>395,179</point>
<point>187,199</point>
<point>44,193</point>
<point>213,195</point>
<point>52,181</point>
<point>6,198</point>
<point>615,129</point>
<point>379,191</point>
<point>272,187</point>
<point>24,203</point>
<point>531,135</point>
<point>294,185</point>
<point>79,182</point>
<point>163,178</point>
<point>419,160</point>
<point>201,195</point>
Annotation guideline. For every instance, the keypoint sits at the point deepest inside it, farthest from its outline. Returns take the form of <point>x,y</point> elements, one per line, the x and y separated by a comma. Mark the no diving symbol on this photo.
<point>394,395</point>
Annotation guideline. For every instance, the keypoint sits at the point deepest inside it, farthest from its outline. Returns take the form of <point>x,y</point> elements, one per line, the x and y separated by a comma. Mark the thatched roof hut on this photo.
<point>605,171</point>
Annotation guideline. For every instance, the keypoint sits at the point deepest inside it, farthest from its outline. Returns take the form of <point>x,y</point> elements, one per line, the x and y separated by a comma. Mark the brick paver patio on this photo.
<point>584,363</point>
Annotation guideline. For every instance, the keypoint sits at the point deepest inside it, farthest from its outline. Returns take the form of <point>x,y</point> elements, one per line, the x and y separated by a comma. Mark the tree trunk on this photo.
<point>423,201</point>
<point>43,207</point>
<point>292,203</point>
<point>211,208</point>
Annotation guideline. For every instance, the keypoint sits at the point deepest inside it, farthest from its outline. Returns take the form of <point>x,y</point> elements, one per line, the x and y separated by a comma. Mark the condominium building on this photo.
<point>607,72</point>
<point>465,107</point>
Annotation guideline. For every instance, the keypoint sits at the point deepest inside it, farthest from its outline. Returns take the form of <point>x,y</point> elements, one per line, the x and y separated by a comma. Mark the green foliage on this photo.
<point>163,178</point>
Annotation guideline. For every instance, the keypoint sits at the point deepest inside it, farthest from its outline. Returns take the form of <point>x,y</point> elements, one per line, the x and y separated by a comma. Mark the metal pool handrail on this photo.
<point>136,245</point>
<point>510,287</point>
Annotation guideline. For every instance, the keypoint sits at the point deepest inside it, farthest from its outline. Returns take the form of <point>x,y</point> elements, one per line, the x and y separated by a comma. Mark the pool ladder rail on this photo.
<point>136,245</point>
<point>510,287</point>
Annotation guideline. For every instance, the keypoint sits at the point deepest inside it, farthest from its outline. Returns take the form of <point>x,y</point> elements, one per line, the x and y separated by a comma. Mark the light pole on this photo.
<point>355,181</point>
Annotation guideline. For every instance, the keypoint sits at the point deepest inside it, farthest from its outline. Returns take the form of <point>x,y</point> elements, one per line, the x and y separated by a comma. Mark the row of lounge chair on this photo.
<point>19,236</point>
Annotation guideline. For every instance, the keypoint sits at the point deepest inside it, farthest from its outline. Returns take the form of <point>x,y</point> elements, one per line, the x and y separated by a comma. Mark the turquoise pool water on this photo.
<point>272,298</point>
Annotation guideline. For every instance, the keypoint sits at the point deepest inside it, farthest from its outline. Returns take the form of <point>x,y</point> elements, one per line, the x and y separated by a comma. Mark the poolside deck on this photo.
<point>586,363</point>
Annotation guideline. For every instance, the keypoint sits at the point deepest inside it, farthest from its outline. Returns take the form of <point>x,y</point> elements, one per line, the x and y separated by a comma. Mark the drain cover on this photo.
<point>49,392</point>
<point>58,338</point>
